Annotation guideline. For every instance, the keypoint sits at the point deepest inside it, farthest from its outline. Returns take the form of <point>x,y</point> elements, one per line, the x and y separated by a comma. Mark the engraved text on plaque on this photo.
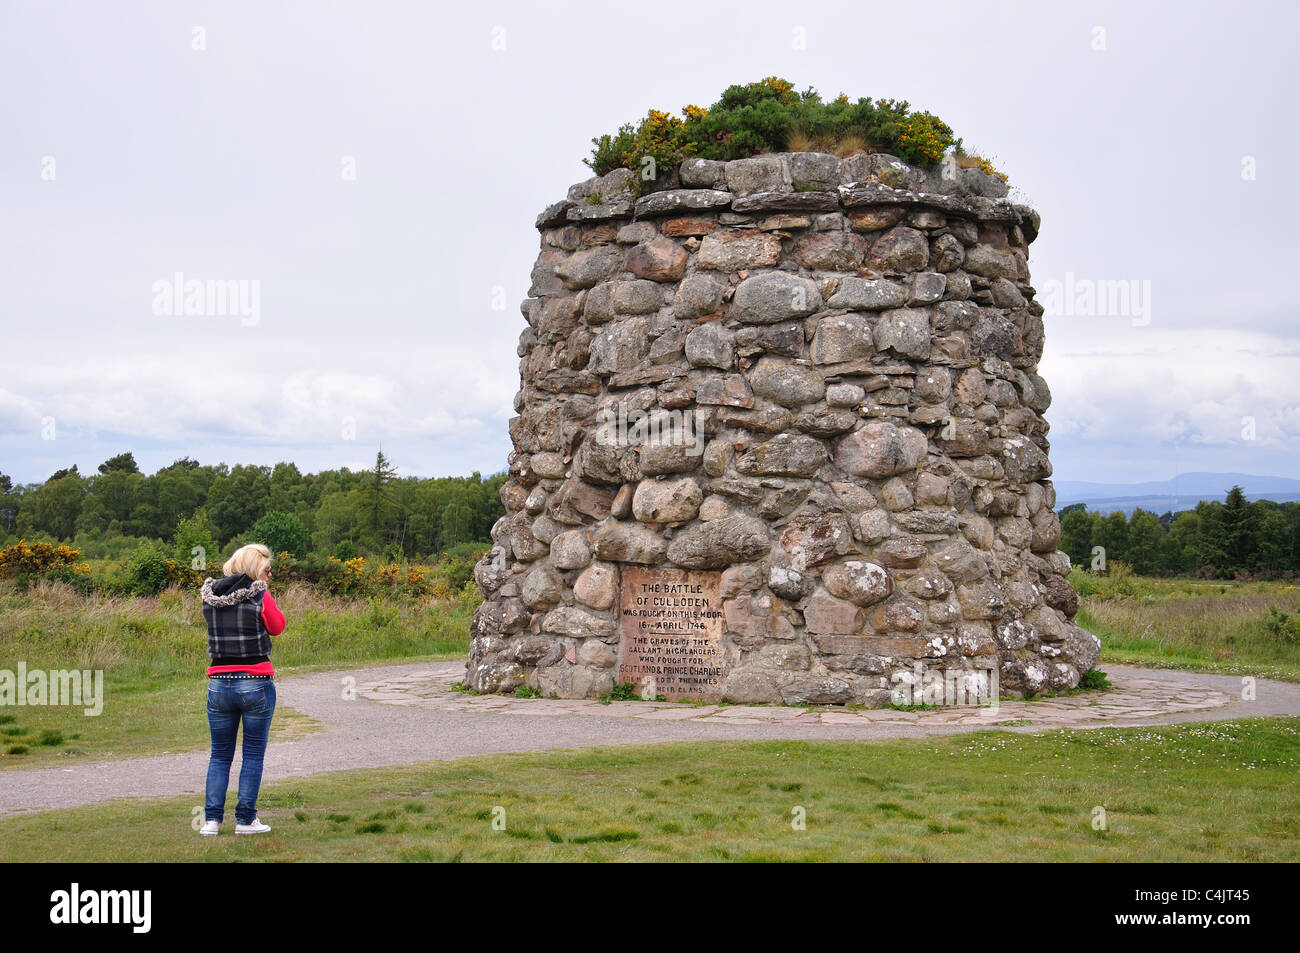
<point>671,638</point>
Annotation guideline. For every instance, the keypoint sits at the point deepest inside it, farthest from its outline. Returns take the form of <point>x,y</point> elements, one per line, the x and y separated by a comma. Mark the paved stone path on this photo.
<point>403,714</point>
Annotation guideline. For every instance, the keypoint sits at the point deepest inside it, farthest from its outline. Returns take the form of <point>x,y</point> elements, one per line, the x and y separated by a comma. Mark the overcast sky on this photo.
<point>376,167</point>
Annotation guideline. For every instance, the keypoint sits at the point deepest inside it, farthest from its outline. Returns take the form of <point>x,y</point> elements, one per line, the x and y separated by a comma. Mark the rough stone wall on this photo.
<point>859,339</point>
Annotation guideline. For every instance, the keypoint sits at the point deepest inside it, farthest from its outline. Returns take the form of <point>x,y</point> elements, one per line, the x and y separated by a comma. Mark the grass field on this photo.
<point>1203,792</point>
<point>1201,625</point>
<point>153,652</point>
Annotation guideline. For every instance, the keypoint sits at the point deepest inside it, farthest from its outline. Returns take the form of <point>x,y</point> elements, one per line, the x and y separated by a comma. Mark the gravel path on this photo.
<point>403,714</point>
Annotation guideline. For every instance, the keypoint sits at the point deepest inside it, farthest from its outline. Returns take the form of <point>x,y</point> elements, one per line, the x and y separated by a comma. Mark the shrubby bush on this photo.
<point>146,572</point>
<point>459,571</point>
<point>194,534</point>
<point>769,116</point>
<point>1117,580</point>
<point>281,532</point>
<point>35,558</point>
<point>1282,626</point>
<point>78,576</point>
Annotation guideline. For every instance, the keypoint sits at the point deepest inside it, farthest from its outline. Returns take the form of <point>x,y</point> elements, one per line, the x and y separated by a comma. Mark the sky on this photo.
<point>372,170</point>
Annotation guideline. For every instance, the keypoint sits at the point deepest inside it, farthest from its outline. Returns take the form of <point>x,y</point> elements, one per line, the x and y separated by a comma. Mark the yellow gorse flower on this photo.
<point>36,558</point>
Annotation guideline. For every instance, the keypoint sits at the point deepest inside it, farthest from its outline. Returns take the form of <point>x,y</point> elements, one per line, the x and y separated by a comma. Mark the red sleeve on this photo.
<point>272,615</point>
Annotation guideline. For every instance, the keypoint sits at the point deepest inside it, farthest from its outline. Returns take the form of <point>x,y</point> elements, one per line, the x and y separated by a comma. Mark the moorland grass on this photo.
<point>1201,625</point>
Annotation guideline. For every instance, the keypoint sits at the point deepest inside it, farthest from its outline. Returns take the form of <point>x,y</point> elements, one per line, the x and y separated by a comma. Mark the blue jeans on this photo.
<point>231,700</point>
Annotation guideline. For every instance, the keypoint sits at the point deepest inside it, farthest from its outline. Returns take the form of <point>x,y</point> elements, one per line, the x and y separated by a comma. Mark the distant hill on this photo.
<point>1182,492</point>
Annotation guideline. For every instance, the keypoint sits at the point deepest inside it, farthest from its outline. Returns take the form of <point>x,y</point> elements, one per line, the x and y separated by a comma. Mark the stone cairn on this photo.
<point>801,390</point>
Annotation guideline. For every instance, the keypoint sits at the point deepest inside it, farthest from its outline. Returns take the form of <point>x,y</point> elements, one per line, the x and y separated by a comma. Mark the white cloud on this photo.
<point>1150,392</point>
<point>150,397</point>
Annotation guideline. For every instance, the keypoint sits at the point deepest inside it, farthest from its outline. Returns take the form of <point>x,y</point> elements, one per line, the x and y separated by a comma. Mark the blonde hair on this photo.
<point>252,560</point>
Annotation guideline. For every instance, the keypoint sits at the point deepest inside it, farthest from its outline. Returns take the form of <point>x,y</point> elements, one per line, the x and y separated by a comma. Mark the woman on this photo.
<point>241,617</point>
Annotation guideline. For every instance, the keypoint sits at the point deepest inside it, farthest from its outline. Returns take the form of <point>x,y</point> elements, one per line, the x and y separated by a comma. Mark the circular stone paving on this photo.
<point>1137,695</point>
<point>380,716</point>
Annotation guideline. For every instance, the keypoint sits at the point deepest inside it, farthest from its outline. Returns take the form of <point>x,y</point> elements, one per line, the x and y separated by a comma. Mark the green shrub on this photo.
<point>193,543</point>
<point>1120,578</point>
<point>1084,582</point>
<point>622,692</point>
<point>610,152</point>
<point>380,613</point>
<point>1095,680</point>
<point>1282,626</point>
<point>345,550</point>
<point>146,571</point>
<point>458,570</point>
<point>281,533</point>
<point>78,577</point>
<point>769,116</point>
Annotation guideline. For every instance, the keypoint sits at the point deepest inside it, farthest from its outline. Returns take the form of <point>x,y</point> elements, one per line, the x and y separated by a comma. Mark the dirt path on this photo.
<point>403,714</point>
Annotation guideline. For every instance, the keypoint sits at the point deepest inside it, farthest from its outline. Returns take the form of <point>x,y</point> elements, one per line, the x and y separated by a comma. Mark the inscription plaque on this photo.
<point>671,633</point>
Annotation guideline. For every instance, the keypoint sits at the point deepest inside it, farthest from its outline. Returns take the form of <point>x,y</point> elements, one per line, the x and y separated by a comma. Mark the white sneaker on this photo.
<point>210,828</point>
<point>257,827</point>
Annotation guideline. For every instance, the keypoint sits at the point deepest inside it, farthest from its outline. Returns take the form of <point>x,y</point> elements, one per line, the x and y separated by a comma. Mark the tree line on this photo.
<point>1214,540</point>
<point>356,512</point>
<point>335,512</point>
